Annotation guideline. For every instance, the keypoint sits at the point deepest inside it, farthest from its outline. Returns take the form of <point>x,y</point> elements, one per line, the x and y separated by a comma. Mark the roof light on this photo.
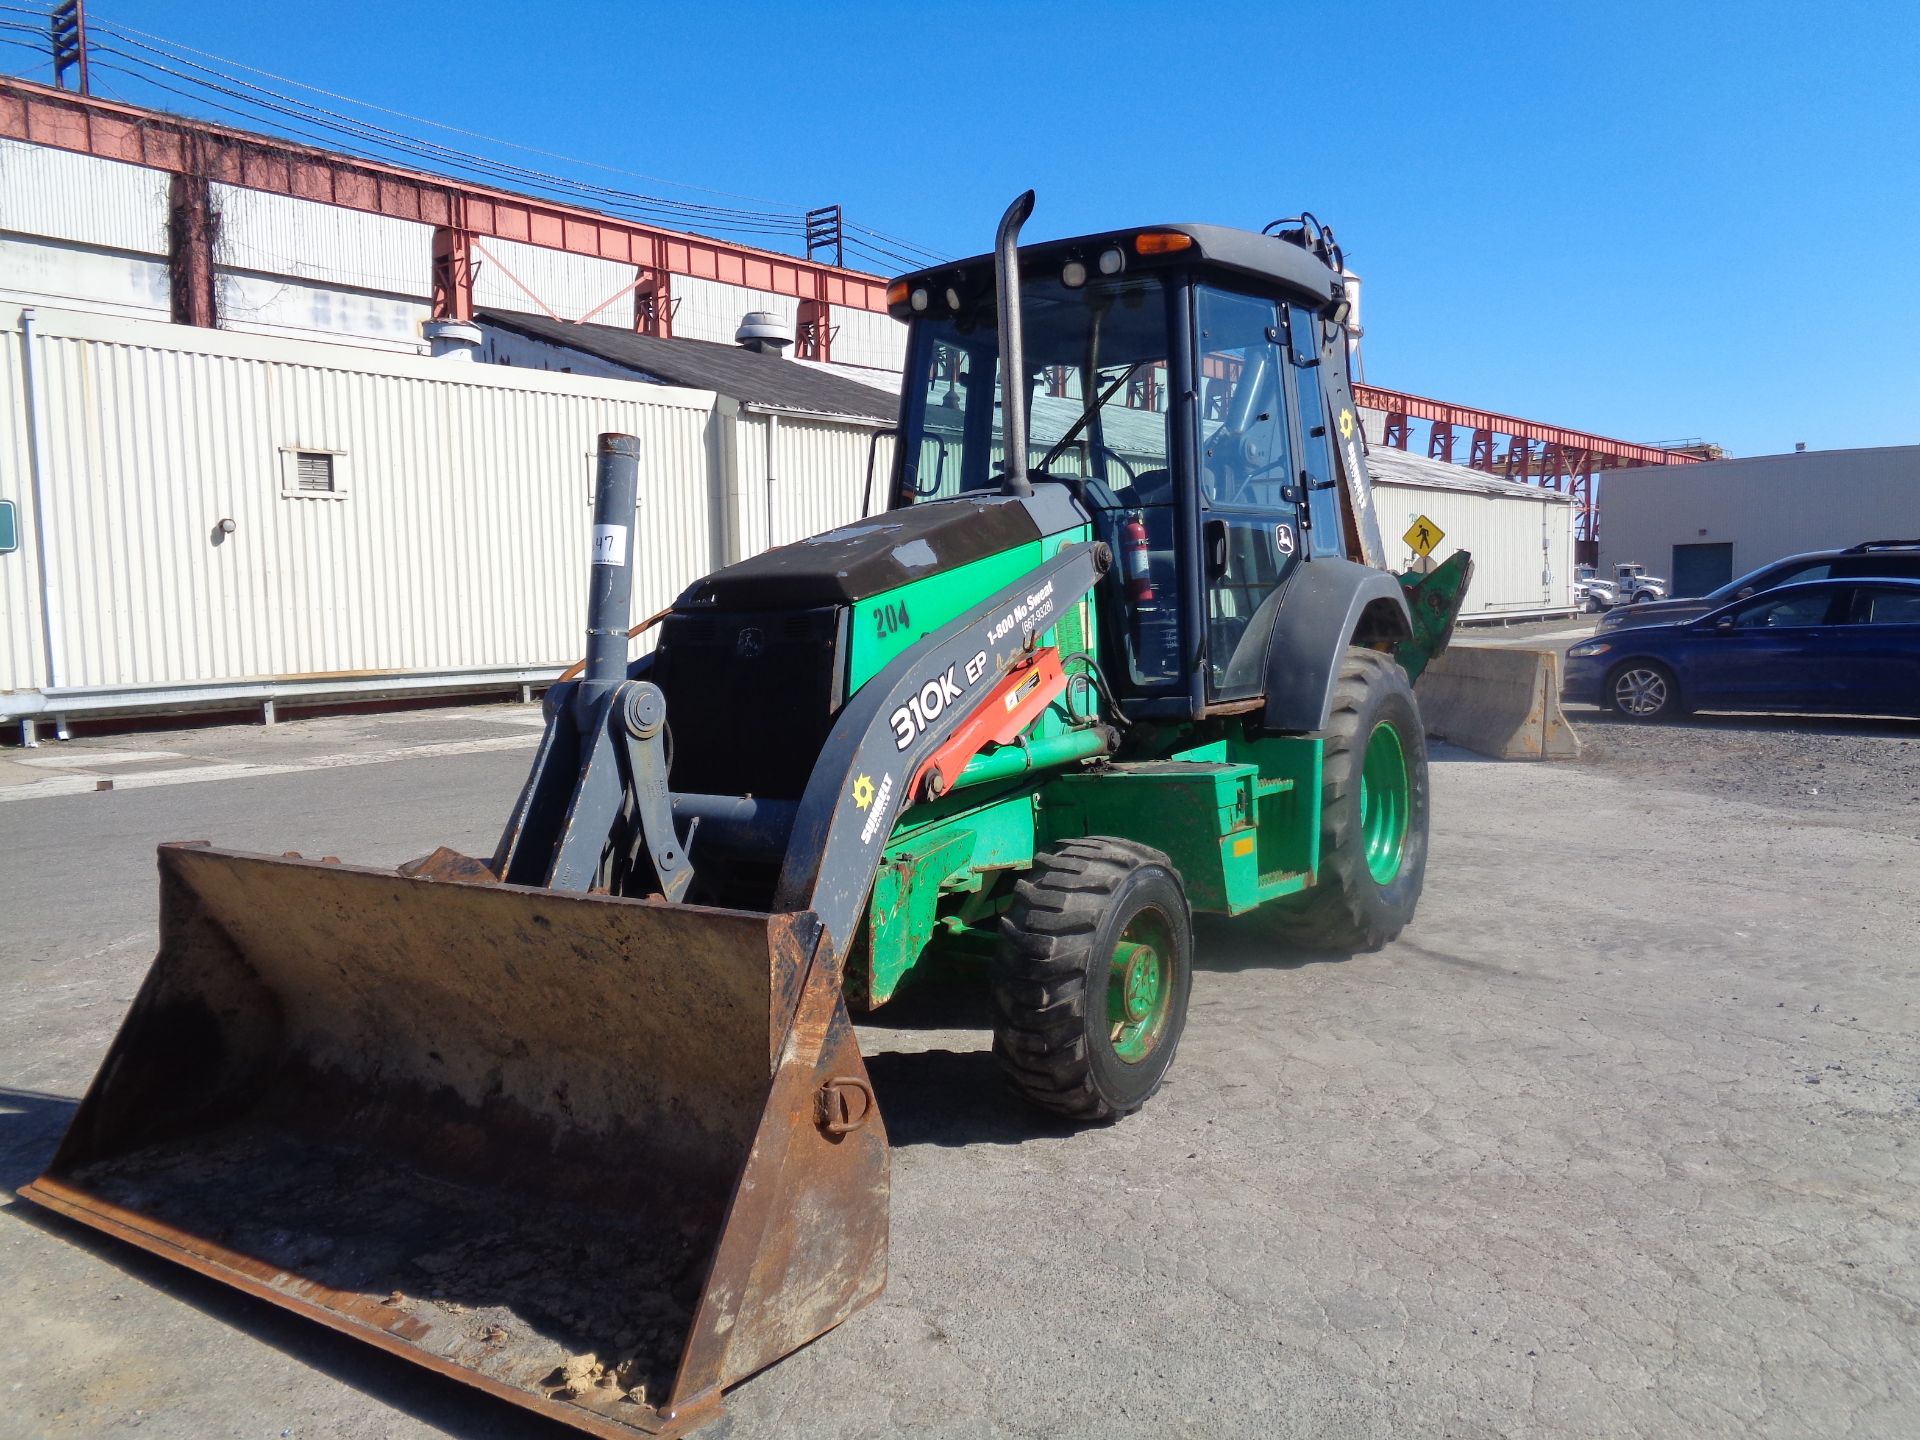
<point>1161,242</point>
<point>897,293</point>
<point>920,299</point>
<point>1113,260</point>
<point>1073,274</point>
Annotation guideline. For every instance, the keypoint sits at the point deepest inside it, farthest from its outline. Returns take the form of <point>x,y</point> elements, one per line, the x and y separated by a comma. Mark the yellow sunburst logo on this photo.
<point>1346,424</point>
<point>863,791</point>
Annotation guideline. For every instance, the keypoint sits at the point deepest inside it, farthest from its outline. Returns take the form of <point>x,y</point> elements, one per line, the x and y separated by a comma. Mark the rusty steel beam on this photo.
<point>1607,452</point>
<point>67,121</point>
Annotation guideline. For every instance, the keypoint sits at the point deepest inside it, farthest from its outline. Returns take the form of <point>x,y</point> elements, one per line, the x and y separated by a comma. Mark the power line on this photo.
<point>388,144</point>
<point>198,84</point>
<point>399,138</point>
<point>128,31</point>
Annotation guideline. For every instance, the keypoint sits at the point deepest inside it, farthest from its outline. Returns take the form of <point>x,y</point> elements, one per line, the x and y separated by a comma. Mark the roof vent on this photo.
<point>764,331</point>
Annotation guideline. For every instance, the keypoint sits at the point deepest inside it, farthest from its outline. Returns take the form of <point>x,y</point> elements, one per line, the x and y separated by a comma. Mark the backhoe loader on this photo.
<point>585,1123</point>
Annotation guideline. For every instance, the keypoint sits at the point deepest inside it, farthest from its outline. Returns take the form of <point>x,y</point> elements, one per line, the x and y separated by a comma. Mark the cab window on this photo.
<point>1316,442</point>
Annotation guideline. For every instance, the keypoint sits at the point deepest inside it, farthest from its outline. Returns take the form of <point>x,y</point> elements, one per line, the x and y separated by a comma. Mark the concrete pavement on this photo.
<point>1621,1139</point>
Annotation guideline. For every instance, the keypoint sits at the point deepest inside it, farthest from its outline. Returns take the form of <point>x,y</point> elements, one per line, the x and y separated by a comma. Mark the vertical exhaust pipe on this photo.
<point>610,592</point>
<point>1013,360</point>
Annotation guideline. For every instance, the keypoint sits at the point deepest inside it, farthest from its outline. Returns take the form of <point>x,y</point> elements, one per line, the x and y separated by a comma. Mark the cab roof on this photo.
<point>1243,252</point>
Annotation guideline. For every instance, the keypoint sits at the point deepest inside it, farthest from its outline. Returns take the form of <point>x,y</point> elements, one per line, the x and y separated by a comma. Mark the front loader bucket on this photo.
<point>600,1157</point>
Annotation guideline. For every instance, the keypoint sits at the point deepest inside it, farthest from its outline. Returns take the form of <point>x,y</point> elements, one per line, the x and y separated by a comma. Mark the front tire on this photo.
<point>1643,690</point>
<point>1373,814</point>
<point>1092,977</point>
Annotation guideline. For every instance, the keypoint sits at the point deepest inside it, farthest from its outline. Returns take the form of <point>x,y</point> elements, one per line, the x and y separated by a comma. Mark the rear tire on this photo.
<point>1373,814</point>
<point>1091,980</point>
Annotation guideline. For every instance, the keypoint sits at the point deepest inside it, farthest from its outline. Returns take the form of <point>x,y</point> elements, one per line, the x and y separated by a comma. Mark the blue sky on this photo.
<point>1650,220</point>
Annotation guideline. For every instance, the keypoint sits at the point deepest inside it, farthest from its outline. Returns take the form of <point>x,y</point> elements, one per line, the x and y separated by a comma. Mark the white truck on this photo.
<point>1633,585</point>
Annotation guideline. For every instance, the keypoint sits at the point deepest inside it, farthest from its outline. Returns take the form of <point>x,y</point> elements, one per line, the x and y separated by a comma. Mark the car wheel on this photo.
<point>1643,690</point>
<point>1644,597</point>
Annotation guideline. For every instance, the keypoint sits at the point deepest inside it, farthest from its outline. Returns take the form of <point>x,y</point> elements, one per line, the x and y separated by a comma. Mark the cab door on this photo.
<point>1250,526</point>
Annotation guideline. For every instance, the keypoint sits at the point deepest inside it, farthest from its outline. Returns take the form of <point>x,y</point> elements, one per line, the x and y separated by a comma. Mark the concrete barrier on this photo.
<point>1501,701</point>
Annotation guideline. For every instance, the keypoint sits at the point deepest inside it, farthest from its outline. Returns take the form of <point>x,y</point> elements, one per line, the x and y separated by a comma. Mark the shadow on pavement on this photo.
<point>31,1124</point>
<point>1227,945</point>
<point>1891,727</point>
<point>953,1097</point>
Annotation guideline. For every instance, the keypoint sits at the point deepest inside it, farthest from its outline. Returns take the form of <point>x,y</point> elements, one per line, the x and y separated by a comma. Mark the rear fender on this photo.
<point>1329,605</point>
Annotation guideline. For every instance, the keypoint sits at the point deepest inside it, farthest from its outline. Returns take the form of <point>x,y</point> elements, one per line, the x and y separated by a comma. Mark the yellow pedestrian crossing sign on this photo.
<point>1423,535</point>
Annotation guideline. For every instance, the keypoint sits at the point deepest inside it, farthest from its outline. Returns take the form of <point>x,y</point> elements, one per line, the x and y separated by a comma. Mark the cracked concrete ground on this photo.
<point>1622,1138</point>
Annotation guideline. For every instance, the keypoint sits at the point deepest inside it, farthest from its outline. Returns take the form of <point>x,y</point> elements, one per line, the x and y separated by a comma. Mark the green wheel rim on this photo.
<point>1140,988</point>
<point>1385,804</point>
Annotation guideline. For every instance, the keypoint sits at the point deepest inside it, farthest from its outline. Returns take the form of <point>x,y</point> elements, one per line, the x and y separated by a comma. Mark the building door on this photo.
<point>1698,569</point>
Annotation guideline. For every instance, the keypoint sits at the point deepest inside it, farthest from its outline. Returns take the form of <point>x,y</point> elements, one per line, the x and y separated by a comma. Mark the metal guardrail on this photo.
<point>32,708</point>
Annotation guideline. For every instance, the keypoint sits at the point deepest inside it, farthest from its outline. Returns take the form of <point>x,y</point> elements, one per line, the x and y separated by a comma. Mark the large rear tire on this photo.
<point>1092,976</point>
<point>1373,814</point>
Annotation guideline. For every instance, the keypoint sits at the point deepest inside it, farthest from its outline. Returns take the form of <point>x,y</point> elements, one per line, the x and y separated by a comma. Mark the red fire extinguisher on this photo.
<point>1134,553</point>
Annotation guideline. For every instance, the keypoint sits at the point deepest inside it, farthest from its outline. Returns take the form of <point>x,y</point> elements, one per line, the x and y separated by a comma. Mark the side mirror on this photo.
<point>1745,592</point>
<point>1723,624</point>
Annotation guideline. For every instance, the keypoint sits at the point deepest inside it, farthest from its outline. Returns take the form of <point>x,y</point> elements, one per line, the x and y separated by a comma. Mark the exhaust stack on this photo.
<point>1013,367</point>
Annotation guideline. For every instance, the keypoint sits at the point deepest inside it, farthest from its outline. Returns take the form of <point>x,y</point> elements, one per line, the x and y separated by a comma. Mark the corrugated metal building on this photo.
<point>211,518</point>
<point>1520,536</point>
<point>1704,524</point>
<point>89,233</point>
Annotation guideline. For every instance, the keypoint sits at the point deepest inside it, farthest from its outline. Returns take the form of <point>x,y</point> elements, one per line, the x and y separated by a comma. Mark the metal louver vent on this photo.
<point>313,473</point>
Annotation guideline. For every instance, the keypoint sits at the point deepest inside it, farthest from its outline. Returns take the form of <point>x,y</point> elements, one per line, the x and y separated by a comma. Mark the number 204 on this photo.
<point>889,618</point>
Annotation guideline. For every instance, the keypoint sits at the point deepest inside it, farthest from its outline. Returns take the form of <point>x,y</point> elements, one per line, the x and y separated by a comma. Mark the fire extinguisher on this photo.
<point>1134,554</point>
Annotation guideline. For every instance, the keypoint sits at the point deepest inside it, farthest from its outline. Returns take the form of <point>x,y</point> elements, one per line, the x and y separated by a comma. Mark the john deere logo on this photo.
<point>750,642</point>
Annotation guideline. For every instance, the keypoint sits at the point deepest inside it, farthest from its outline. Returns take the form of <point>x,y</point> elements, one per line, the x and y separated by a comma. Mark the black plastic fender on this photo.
<point>1329,605</point>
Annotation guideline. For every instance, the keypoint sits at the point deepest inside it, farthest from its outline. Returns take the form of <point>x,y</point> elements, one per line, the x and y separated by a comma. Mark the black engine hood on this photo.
<point>870,556</point>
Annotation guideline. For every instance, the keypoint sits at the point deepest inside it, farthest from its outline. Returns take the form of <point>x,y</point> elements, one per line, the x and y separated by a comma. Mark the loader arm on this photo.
<point>896,723</point>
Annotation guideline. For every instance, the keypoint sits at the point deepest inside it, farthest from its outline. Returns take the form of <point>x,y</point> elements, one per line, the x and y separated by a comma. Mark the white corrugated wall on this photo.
<point>800,476</point>
<point>1522,545</point>
<point>712,309</point>
<point>21,646</point>
<point>512,276</point>
<point>458,540</point>
<point>868,338</point>
<point>281,235</point>
<point>64,195</point>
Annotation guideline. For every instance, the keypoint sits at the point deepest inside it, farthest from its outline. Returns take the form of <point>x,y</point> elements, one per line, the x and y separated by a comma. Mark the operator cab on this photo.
<point>1178,384</point>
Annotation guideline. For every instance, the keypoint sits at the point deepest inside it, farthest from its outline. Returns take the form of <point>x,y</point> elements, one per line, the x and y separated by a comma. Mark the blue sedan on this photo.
<point>1847,647</point>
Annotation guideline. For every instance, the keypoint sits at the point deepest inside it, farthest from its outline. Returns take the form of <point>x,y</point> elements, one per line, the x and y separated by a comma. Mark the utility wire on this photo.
<point>128,31</point>
<point>400,138</point>
<point>390,145</point>
<point>150,57</point>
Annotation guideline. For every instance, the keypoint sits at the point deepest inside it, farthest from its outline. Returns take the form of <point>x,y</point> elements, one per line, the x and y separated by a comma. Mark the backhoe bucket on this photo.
<point>600,1157</point>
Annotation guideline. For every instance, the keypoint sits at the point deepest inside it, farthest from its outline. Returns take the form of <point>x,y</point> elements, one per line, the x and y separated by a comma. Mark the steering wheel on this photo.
<point>1094,447</point>
<point>1241,483</point>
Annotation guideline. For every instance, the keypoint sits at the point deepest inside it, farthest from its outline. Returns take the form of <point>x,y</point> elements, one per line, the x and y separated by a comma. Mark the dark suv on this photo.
<point>1878,559</point>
